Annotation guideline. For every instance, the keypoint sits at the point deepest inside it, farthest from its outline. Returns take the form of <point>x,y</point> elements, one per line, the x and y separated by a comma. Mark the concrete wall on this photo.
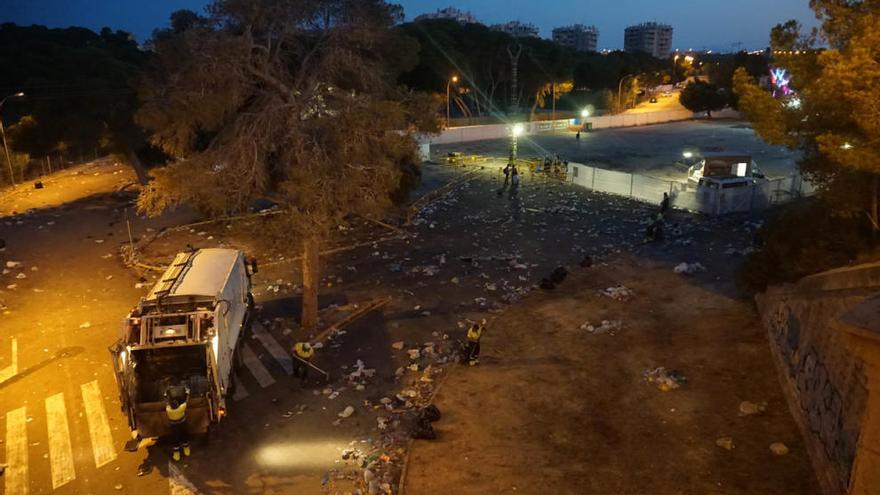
<point>498,131</point>
<point>825,384</point>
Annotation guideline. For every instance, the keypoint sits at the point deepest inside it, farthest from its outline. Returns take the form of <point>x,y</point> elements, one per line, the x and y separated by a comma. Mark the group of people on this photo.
<point>511,177</point>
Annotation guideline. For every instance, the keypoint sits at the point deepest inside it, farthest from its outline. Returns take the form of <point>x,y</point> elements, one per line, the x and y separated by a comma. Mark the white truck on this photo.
<point>186,331</point>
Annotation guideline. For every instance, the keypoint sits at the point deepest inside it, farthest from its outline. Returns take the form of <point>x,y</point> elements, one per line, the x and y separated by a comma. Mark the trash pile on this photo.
<point>747,408</point>
<point>619,293</point>
<point>609,327</point>
<point>689,268</point>
<point>664,379</point>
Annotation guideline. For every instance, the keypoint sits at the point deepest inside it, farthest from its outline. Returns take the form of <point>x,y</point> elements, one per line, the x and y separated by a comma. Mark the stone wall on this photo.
<point>824,383</point>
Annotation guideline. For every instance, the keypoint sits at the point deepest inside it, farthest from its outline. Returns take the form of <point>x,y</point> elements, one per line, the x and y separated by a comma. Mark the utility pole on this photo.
<point>3,133</point>
<point>514,72</point>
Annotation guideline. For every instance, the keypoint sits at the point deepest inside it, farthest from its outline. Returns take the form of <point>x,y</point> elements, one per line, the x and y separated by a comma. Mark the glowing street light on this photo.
<point>687,154</point>
<point>846,146</point>
<point>453,79</point>
<point>585,113</point>
<point>3,133</point>
<point>515,132</point>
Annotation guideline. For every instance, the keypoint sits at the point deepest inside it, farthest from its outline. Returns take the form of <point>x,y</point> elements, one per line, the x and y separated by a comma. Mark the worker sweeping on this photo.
<point>474,333</point>
<point>303,352</point>
<point>175,409</point>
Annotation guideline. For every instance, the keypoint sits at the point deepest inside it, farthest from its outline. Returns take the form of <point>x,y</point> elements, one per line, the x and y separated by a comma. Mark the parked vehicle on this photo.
<point>186,331</point>
<point>724,165</point>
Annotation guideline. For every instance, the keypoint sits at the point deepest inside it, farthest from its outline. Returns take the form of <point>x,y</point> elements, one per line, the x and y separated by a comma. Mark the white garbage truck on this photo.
<point>186,332</point>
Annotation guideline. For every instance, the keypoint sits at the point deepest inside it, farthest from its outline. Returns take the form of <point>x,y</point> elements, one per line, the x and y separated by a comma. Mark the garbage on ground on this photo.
<point>747,408</point>
<point>397,345</point>
<point>605,327</point>
<point>664,379</point>
<point>778,448</point>
<point>348,411</point>
<point>85,325</point>
<point>725,443</point>
<point>619,293</point>
<point>689,268</point>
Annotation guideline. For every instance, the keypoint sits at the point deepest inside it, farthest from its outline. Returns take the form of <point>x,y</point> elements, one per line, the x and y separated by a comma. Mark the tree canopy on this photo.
<point>292,100</point>
<point>701,96</point>
<point>78,88</point>
<point>833,116</point>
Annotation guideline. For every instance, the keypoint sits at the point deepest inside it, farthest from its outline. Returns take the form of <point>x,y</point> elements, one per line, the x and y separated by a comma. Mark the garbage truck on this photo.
<point>186,332</point>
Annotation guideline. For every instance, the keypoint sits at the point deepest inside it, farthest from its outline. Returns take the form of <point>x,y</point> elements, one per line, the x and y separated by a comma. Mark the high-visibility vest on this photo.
<point>176,415</point>
<point>302,352</point>
<point>475,332</point>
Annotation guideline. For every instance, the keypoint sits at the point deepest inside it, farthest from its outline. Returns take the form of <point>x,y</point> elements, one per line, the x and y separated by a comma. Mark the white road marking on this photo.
<point>11,370</point>
<point>60,451</point>
<point>240,391</point>
<point>177,482</point>
<point>99,426</point>
<point>274,348</point>
<point>257,369</point>
<point>16,452</point>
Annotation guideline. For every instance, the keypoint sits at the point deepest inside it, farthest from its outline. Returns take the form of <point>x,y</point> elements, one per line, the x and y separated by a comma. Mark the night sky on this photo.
<point>699,24</point>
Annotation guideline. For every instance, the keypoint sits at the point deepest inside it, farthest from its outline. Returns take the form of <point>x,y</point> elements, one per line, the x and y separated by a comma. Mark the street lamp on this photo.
<point>453,79</point>
<point>687,154</point>
<point>515,132</point>
<point>585,113</point>
<point>3,133</point>
<point>620,88</point>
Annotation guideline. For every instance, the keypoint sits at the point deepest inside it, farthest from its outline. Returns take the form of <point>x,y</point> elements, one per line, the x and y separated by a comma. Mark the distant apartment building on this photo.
<point>450,13</point>
<point>517,29</point>
<point>649,37</point>
<point>579,37</point>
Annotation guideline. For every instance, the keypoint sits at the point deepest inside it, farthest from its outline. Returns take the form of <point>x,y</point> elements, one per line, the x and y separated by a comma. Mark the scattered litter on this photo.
<point>725,443</point>
<point>85,325</point>
<point>606,327</point>
<point>21,276</point>
<point>665,380</point>
<point>397,345</point>
<point>348,411</point>
<point>689,268</point>
<point>778,448</point>
<point>747,408</point>
<point>619,293</point>
<point>13,264</point>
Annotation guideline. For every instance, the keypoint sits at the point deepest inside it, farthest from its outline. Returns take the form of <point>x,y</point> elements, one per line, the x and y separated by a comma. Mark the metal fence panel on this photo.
<point>612,182</point>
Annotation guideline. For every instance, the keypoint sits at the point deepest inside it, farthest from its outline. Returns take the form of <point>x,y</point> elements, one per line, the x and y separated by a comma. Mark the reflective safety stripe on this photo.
<point>176,415</point>
<point>302,352</point>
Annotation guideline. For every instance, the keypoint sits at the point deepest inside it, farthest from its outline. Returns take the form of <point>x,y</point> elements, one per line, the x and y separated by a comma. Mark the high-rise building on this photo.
<point>649,37</point>
<point>450,13</point>
<point>579,37</point>
<point>517,29</point>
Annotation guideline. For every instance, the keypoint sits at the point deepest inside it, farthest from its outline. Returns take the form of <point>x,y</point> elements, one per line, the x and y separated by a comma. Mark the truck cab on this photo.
<point>186,331</point>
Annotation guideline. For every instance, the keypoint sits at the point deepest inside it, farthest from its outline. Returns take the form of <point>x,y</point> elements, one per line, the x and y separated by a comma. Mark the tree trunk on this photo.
<point>139,169</point>
<point>311,277</point>
<point>875,209</point>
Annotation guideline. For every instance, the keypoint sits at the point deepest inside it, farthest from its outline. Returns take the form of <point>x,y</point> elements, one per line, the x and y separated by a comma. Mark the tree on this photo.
<point>700,96</point>
<point>291,100</point>
<point>78,91</point>
<point>552,91</point>
<point>833,118</point>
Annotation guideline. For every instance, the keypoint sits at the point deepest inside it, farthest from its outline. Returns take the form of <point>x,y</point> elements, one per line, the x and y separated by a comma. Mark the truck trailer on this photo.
<point>186,332</point>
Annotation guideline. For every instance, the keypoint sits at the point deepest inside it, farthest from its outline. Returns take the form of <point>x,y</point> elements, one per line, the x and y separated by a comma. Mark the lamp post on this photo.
<point>453,79</point>
<point>3,133</point>
<point>620,88</point>
<point>515,132</point>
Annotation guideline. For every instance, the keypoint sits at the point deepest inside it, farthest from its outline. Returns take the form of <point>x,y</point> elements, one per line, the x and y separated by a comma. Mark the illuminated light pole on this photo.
<point>515,132</point>
<point>453,79</point>
<point>3,133</point>
<point>620,88</point>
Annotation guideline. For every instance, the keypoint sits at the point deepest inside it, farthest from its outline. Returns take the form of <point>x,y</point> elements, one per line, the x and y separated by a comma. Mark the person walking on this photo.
<point>664,205</point>
<point>175,409</point>
<point>474,333</point>
<point>302,354</point>
<point>577,137</point>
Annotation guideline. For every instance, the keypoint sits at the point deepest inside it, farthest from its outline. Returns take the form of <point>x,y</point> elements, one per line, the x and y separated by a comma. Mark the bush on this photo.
<point>802,239</point>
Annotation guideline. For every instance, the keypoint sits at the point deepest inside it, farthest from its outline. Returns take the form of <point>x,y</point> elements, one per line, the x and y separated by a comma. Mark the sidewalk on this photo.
<point>556,409</point>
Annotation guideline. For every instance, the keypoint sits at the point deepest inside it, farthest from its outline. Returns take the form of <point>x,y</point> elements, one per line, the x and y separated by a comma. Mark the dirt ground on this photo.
<point>556,409</point>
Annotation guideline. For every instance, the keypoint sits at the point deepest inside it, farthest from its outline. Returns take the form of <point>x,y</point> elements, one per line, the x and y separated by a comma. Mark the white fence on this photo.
<point>499,131</point>
<point>687,197</point>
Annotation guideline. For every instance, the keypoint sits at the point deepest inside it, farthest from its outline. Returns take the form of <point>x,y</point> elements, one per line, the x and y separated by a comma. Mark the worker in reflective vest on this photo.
<point>175,409</point>
<point>473,350</point>
<point>302,353</point>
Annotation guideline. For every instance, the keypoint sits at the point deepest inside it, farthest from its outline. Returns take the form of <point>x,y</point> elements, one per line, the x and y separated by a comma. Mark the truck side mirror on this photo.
<point>252,266</point>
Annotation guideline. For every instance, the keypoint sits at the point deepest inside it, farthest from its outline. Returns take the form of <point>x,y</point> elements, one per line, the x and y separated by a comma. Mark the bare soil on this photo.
<point>556,409</point>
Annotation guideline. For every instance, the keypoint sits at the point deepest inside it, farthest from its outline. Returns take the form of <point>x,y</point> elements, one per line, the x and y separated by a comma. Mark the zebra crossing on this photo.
<point>59,408</point>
